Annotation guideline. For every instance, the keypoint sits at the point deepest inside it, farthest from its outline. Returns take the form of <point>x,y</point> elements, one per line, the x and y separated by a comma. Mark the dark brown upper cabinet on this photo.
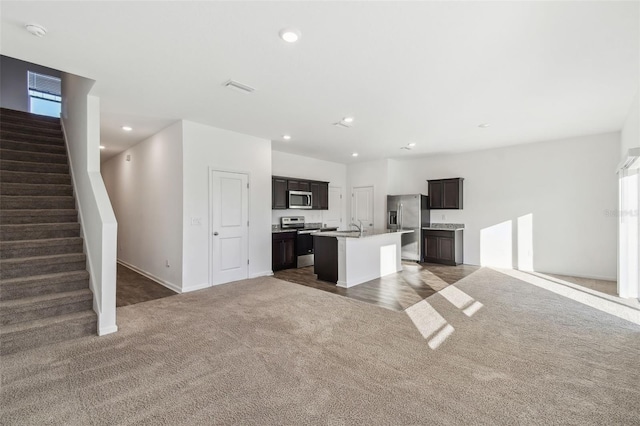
<point>298,185</point>
<point>280,186</point>
<point>278,193</point>
<point>319,195</point>
<point>445,193</point>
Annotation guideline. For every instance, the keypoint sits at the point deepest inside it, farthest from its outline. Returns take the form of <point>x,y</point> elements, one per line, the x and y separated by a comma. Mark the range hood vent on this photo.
<point>238,87</point>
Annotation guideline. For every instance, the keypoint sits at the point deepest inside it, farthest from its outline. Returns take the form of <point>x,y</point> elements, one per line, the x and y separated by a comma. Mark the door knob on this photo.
<point>215,234</point>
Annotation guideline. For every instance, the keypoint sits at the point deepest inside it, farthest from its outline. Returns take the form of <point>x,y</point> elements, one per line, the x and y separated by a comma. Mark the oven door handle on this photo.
<point>313,231</point>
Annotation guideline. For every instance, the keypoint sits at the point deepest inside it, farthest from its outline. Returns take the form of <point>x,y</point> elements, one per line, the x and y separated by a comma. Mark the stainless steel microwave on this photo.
<point>299,199</point>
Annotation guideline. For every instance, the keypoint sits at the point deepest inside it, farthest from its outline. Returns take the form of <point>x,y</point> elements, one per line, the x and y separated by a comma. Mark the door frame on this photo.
<point>373,204</point>
<point>342,206</point>
<point>210,173</point>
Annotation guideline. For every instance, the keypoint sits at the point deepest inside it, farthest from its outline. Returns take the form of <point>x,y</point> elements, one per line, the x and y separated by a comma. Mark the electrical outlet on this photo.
<point>444,217</point>
<point>167,263</point>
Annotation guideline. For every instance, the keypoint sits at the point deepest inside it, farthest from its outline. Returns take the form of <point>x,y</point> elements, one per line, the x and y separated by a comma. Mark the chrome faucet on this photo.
<point>360,229</point>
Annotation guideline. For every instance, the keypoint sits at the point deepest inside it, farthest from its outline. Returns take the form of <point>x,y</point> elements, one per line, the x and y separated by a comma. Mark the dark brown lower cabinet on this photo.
<point>443,246</point>
<point>283,250</point>
<point>326,258</point>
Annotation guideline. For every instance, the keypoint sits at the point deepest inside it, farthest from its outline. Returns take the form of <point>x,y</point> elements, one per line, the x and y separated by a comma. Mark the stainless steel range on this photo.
<point>304,238</point>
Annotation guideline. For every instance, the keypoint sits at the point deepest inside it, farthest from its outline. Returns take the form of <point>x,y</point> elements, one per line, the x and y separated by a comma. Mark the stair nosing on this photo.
<point>83,272</point>
<point>11,328</point>
<point>35,173</point>
<point>39,210</point>
<point>4,304</point>
<point>40,240</point>
<point>80,256</point>
<point>36,163</point>
<point>30,225</point>
<point>39,153</point>
<point>30,196</point>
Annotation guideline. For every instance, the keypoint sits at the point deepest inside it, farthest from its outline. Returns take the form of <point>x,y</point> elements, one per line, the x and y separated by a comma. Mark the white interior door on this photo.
<point>362,206</point>
<point>333,216</point>
<point>229,227</point>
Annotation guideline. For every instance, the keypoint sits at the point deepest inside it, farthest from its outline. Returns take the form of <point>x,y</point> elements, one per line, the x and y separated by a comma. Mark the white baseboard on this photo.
<point>261,274</point>
<point>195,287</point>
<point>167,284</point>
<point>107,330</point>
<point>590,277</point>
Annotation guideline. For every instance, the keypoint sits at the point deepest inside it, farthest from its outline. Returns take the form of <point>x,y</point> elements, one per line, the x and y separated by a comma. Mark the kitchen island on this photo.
<point>349,258</point>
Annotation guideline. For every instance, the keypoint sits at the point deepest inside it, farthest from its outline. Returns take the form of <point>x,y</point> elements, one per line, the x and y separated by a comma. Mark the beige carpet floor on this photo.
<point>265,351</point>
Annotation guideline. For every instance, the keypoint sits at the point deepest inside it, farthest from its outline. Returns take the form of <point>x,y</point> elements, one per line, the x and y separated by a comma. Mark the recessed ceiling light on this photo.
<point>355,154</point>
<point>348,119</point>
<point>286,137</point>
<point>484,125</point>
<point>102,147</point>
<point>411,145</point>
<point>290,35</point>
<point>36,30</point>
<point>127,128</point>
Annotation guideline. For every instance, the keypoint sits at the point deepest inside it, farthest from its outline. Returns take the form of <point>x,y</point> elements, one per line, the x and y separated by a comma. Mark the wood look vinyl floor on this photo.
<point>132,288</point>
<point>397,291</point>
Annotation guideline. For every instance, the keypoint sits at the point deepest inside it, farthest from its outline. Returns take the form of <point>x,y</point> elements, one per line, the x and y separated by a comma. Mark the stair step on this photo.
<point>25,166</point>
<point>17,288</point>
<point>34,334</point>
<point>30,138</point>
<point>41,247</point>
<point>31,177</point>
<point>24,189</point>
<point>44,306</point>
<point>40,265</point>
<point>34,202</point>
<point>38,231</point>
<point>24,126</point>
<point>24,216</point>
<point>33,147</point>
<point>33,157</point>
<point>13,115</point>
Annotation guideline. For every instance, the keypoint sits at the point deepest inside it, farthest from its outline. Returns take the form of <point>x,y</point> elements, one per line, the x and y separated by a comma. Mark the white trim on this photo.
<point>589,277</point>
<point>261,274</point>
<point>152,277</point>
<point>196,287</point>
<point>601,302</point>
<point>85,246</point>
<point>566,274</point>
<point>210,257</point>
<point>107,330</point>
<point>373,204</point>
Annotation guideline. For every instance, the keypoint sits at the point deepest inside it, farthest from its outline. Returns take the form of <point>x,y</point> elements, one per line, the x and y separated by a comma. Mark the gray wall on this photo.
<point>13,82</point>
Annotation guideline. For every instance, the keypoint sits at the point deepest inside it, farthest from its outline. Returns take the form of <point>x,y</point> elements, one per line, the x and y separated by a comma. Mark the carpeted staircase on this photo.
<point>44,284</point>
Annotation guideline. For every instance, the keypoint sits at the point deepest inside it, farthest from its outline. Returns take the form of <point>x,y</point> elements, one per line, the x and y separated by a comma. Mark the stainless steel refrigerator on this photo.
<point>409,212</point>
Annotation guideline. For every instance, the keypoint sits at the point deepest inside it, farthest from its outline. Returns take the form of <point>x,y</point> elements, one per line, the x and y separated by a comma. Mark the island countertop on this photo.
<point>445,227</point>
<point>366,234</point>
<point>348,259</point>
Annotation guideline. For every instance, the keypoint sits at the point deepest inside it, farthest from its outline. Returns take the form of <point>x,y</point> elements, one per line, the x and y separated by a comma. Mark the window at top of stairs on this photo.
<point>44,94</point>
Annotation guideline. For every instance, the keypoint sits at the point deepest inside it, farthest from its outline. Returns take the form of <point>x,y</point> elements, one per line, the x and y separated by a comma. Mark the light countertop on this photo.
<point>356,234</point>
<point>445,227</point>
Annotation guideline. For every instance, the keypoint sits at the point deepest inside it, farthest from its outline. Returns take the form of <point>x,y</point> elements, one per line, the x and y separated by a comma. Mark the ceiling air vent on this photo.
<point>238,87</point>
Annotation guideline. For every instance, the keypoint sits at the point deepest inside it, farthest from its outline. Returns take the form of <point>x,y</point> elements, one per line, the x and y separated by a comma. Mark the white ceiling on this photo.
<point>422,72</point>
